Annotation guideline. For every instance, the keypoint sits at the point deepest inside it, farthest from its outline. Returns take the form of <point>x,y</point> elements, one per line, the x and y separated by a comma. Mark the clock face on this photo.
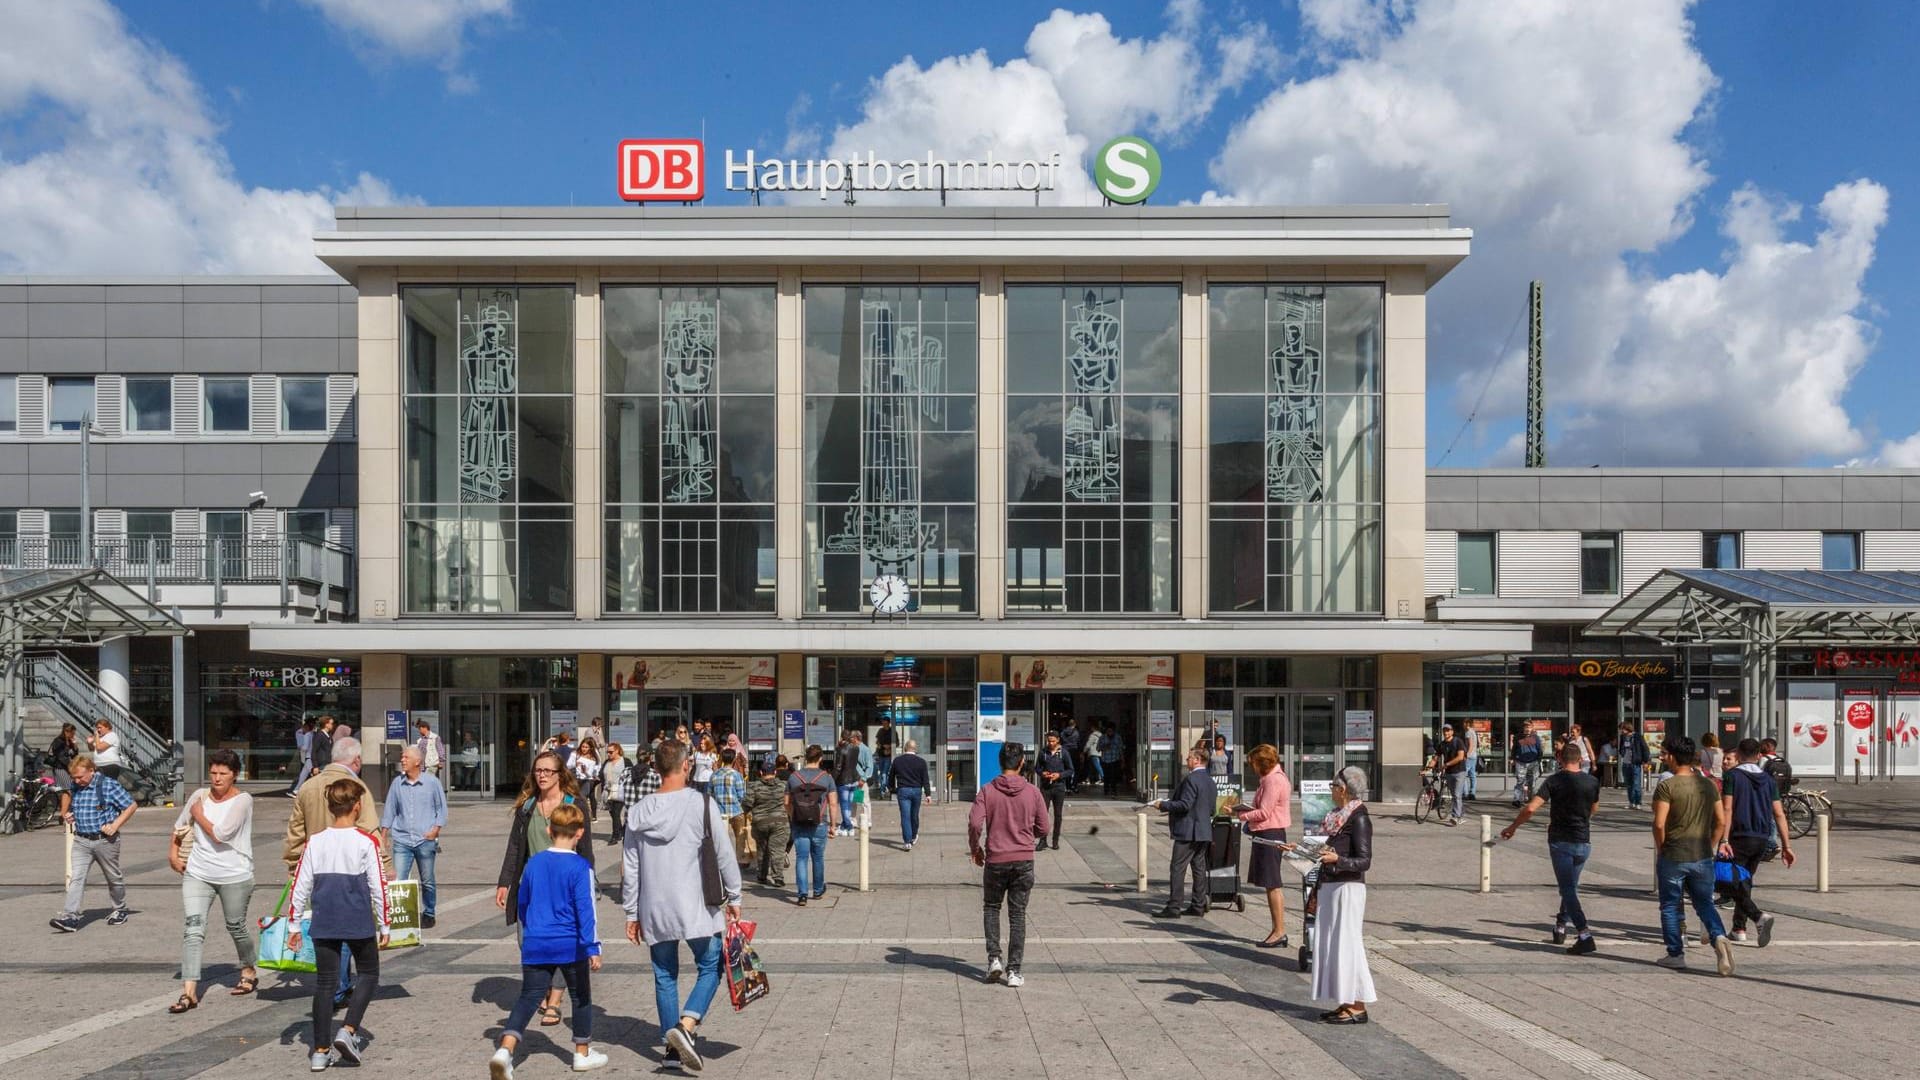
<point>889,594</point>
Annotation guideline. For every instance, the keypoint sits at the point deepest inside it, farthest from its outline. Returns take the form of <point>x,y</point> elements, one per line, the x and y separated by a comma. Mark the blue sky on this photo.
<point>1717,113</point>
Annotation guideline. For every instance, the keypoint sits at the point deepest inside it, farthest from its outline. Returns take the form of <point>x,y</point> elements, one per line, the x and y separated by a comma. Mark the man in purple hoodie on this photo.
<point>1009,817</point>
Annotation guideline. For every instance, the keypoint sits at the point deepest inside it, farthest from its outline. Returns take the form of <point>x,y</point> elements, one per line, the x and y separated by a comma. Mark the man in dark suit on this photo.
<point>1190,821</point>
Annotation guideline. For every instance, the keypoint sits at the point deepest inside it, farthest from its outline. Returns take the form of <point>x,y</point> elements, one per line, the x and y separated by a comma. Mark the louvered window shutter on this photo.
<point>263,402</point>
<point>340,528</point>
<point>33,406</point>
<point>110,404</point>
<point>340,405</point>
<point>186,405</point>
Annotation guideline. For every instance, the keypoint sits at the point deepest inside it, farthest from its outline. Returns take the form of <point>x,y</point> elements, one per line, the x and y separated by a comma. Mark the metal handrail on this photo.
<point>53,678</point>
<point>199,559</point>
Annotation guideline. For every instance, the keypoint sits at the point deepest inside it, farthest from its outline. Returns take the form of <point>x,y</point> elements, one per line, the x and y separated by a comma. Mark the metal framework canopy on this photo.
<point>1769,608</point>
<point>44,608</point>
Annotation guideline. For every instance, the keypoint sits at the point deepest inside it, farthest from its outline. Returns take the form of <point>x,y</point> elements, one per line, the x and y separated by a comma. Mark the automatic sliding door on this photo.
<point>471,740</point>
<point>1260,722</point>
<point>518,715</point>
<point>1316,727</point>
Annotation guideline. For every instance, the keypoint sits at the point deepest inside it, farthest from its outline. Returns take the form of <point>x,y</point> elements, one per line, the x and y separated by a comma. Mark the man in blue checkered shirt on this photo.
<point>96,808</point>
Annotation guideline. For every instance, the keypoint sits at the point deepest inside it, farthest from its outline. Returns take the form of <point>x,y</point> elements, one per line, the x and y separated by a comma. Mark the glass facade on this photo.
<point>891,447</point>
<point>1093,448</point>
<point>1295,474</point>
<point>690,439</point>
<point>488,449</point>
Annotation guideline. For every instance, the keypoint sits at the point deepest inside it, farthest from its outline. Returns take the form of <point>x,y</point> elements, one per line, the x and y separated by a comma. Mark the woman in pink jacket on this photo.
<point>1268,818</point>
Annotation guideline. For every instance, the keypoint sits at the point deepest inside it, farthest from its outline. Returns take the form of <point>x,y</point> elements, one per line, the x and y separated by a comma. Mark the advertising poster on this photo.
<point>1316,802</point>
<point>1359,728</point>
<point>397,724</point>
<point>1810,734</point>
<point>793,724</point>
<point>1160,729</point>
<point>624,730</point>
<point>961,732</point>
<point>1020,727</point>
<point>761,726</point>
<point>1902,734</point>
<point>1090,672</point>
<point>691,672</point>
<point>1655,734</point>
<point>565,720</point>
<point>820,728</point>
<point>1220,721</point>
<point>1858,717</point>
<point>993,729</point>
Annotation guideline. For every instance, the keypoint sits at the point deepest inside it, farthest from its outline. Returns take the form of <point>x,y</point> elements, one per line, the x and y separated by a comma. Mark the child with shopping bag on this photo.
<point>558,934</point>
<point>340,889</point>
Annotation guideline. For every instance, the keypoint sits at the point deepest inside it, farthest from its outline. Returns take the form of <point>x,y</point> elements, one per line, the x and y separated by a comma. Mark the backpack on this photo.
<point>810,798</point>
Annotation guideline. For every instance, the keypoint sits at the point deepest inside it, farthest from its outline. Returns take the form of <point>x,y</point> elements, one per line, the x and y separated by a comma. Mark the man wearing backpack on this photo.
<point>810,802</point>
<point>1752,803</point>
<point>1526,767</point>
<point>1007,822</point>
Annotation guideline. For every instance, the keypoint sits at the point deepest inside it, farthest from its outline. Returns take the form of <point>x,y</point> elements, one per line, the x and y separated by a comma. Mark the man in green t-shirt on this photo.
<point>1688,825</point>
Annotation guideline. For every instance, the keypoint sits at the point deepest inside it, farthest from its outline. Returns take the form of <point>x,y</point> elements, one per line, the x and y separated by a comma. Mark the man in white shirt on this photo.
<point>433,749</point>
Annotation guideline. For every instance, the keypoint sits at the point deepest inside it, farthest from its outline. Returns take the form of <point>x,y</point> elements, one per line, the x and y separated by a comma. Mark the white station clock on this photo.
<point>889,594</point>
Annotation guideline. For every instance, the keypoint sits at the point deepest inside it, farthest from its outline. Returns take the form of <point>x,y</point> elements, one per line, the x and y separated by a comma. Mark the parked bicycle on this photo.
<point>1802,805</point>
<point>34,802</point>
<point>1433,798</point>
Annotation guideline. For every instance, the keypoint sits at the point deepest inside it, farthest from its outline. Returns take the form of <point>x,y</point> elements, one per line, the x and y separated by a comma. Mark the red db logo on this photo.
<point>670,170</point>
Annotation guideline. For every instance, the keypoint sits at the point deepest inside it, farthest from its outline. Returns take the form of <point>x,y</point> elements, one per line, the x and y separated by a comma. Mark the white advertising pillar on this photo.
<point>116,669</point>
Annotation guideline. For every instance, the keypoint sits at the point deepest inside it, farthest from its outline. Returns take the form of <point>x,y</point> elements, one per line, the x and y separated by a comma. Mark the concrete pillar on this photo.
<point>1193,444</point>
<point>992,484</point>
<point>589,588</point>
<point>592,671</point>
<point>116,667</point>
<point>1405,451</point>
<point>790,692</point>
<point>377,433</point>
<point>383,686</point>
<point>1399,726</point>
<point>790,423</point>
<point>1190,698</point>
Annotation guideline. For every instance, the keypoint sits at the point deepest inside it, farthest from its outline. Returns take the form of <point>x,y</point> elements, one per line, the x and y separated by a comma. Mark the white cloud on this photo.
<point>414,29</point>
<point>1078,85</point>
<point>123,171</point>
<point>1558,131</point>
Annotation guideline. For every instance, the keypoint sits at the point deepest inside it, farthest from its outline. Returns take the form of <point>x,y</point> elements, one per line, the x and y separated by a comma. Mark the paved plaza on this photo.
<point>887,983</point>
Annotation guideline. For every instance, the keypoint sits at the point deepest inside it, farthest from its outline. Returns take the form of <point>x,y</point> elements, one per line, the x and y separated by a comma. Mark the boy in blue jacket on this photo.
<point>557,932</point>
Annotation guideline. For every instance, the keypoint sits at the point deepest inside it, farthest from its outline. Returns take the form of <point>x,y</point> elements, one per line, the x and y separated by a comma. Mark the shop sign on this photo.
<point>1902,664</point>
<point>1091,672</point>
<point>317,677</point>
<point>1359,726</point>
<point>1127,170</point>
<point>692,672</point>
<point>663,170</point>
<point>1598,669</point>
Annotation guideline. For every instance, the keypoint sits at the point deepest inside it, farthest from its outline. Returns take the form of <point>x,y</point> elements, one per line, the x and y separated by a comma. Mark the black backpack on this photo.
<point>810,799</point>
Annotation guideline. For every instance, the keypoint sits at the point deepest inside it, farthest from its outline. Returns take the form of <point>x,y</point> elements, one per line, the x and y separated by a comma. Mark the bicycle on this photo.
<point>1431,800</point>
<point>1801,806</point>
<point>33,804</point>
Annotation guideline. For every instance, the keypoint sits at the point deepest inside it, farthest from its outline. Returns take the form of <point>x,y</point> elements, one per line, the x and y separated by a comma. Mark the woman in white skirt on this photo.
<point>1340,972</point>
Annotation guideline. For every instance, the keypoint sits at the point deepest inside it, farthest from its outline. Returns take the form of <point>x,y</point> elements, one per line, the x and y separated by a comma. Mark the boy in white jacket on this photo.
<point>339,886</point>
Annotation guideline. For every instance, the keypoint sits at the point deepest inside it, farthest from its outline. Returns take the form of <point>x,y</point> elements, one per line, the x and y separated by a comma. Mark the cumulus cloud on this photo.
<point>119,168</point>
<point>1078,85</point>
<point>1559,131</point>
<point>414,29</point>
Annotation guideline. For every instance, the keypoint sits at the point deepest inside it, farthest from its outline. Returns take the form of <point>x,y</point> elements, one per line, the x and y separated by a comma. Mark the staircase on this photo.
<point>58,692</point>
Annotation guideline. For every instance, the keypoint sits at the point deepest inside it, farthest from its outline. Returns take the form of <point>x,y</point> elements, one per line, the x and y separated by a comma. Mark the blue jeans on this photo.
<point>1696,879</point>
<point>909,799</point>
<point>883,772</point>
<point>1099,771</point>
<point>408,856</point>
<point>1473,774</point>
<point>1568,861</point>
<point>846,805</point>
<point>1457,787</point>
<point>535,981</point>
<point>810,854</point>
<point>666,979</point>
<point>1634,776</point>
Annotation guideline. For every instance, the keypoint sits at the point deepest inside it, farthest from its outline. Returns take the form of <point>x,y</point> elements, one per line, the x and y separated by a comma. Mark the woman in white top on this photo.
<point>218,819</point>
<point>106,749</point>
<point>704,759</point>
<point>586,769</point>
<point>1579,739</point>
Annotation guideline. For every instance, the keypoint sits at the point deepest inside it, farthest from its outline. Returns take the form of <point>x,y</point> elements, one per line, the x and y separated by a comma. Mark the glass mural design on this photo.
<point>1092,425</point>
<point>902,373</point>
<point>1296,438</point>
<point>490,369</point>
<point>687,431</point>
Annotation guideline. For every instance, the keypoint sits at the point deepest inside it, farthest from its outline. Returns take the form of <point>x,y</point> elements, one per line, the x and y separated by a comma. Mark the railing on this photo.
<point>214,560</point>
<point>150,769</point>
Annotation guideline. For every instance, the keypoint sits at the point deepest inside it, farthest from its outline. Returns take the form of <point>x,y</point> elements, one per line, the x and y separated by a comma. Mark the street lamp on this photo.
<point>87,433</point>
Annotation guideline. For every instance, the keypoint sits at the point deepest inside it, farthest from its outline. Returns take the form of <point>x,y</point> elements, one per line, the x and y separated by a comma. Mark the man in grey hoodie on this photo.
<point>1009,818</point>
<point>665,901</point>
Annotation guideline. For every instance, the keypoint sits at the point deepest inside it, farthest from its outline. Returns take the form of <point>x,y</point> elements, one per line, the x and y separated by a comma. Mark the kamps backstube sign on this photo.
<point>1126,171</point>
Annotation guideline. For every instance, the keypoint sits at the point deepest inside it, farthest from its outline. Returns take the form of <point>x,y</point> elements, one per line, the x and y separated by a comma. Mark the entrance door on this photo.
<point>915,716</point>
<point>518,719</point>
<point>468,729</point>
<point>1305,728</point>
<point>1087,711</point>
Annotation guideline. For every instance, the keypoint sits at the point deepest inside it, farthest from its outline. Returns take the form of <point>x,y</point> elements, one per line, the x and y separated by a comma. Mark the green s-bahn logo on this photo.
<point>1127,170</point>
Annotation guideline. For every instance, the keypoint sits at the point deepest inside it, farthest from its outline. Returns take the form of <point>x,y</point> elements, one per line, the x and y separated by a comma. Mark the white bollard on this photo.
<point>1140,853</point>
<point>865,828</point>
<point>1820,851</point>
<point>1486,853</point>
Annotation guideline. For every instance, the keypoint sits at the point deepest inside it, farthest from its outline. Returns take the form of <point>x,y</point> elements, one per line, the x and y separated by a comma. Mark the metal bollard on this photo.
<point>1820,850</point>
<point>865,828</point>
<point>1486,853</point>
<point>1140,853</point>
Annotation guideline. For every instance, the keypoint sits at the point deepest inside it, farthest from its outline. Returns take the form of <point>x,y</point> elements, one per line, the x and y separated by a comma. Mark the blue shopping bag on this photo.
<point>274,954</point>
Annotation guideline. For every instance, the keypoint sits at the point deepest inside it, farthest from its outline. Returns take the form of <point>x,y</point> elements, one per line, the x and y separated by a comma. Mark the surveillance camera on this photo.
<point>257,496</point>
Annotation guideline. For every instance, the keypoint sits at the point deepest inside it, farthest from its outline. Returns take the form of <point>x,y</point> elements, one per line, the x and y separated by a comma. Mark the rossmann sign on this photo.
<point>1126,171</point>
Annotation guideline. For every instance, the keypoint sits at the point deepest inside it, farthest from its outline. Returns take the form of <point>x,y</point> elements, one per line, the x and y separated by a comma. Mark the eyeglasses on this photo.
<point>546,772</point>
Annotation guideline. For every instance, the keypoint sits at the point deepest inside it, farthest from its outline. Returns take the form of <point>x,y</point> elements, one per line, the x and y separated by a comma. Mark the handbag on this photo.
<point>746,976</point>
<point>745,851</point>
<point>711,886</point>
<point>274,954</point>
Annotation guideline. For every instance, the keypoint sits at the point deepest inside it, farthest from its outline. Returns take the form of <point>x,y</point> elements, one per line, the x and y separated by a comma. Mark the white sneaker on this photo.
<point>995,970</point>
<point>587,1062</point>
<point>318,1062</point>
<point>1678,963</point>
<point>681,1043</point>
<point>1015,980</point>
<point>500,1065</point>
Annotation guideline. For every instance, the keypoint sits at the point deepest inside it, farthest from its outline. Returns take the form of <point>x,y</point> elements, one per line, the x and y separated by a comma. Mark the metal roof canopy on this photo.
<point>41,608</point>
<point>1758,611</point>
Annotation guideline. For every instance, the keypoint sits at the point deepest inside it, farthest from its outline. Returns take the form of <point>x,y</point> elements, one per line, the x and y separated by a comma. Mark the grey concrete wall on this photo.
<point>1705,499</point>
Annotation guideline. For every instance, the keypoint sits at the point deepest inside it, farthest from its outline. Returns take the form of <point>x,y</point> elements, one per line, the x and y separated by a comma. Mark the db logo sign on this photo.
<point>663,170</point>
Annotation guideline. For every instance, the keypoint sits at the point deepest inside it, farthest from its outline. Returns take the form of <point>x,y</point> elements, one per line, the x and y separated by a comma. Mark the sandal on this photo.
<point>185,1002</point>
<point>549,1015</point>
<point>247,985</point>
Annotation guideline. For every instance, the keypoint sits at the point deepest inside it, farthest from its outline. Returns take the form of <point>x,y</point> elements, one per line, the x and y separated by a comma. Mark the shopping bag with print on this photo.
<point>403,914</point>
<point>746,978</point>
<point>274,954</point>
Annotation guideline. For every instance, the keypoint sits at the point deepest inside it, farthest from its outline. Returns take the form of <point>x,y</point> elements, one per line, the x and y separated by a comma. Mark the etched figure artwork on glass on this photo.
<point>489,367</point>
<point>687,433</point>
<point>1093,421</point>
<point>1296,443</point>
<point>900,383</point>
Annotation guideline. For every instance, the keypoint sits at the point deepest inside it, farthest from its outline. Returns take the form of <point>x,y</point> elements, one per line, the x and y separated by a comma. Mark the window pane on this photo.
<point>1721,551</point>
<point>1150,449</point>
<point>149,404</point>
<point>308,525</point>
<point>1353,339</point>
<point>70,401</point>
<point>9,403</point>
<point>1476,564</point>
<point>63,523</point>
<point>1237,344</point>
<point>747,449</point>
<point>1035,465</point>
<point>303,404</point>
<point>1599,563</point>
<point>1034,339</point>
<point>430,324</point>
<point>228,404</point>
<point>1236,567</point>
<point>1151,339</point>
<point>1239,460</point>
<point>1840,551</point>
